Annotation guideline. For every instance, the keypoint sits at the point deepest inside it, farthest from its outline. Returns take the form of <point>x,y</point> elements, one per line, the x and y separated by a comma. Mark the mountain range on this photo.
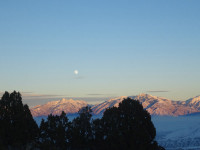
<point>153,104</point>
<point>69,106</point>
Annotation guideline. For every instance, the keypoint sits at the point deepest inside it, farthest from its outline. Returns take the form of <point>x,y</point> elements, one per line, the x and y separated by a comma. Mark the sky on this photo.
<point>119,48</point>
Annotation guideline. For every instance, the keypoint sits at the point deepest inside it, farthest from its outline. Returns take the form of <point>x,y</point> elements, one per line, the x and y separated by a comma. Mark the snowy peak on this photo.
<point>153,104</point>
<point>121,98</point>
<point>71,101</point>
<point>150,97</point>
<point>65,100</point>
<point>146,95</point>
<point>56,107</point>
<point>100,108</point>
<point>195,102</point>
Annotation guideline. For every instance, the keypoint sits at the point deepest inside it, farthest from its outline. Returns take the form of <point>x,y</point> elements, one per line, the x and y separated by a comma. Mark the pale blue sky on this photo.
<point>118,47</point>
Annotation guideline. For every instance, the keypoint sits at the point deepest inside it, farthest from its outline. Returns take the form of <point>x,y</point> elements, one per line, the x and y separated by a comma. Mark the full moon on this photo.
<point>75,72</point>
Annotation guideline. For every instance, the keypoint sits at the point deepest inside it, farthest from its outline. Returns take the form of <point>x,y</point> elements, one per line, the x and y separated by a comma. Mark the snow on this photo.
<point>153,104</point>
<point>56,107</point>
<point>174,132</point>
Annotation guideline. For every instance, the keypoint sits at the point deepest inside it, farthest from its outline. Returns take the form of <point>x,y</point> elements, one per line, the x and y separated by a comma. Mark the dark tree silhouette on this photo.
<point>17,126</point>
<point>98,134</point>
<point>54,133</point>
<point>128,127</point>
<point>82,130</point>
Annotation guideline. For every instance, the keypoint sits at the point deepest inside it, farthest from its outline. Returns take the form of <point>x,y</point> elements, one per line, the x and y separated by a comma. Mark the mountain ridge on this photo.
<point>56,107</point>
<point>153,104</point>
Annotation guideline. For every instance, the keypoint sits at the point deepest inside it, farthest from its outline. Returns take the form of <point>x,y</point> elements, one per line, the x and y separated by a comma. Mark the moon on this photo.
<point>75,72</point>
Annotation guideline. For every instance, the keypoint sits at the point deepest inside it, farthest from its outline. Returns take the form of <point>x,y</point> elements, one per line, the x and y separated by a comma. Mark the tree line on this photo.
<point>127,127</point>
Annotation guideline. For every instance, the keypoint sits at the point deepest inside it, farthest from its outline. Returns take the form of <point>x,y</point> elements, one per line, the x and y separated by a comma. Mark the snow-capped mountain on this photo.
<point>153,104</point>
<point>100,108</point>
<point>194,102</point>
<point>56,107</point>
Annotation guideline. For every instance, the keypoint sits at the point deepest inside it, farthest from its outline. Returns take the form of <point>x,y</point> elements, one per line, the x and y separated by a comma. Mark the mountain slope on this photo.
<point>154,105</point>
<point>194,102</point>
<point>178,133</point>
<point>56,107</point>
<point>100,108</point>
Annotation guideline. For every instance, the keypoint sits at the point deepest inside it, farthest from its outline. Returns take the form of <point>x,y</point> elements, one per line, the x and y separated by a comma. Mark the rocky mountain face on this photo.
<point>194,102</point>
<point>154,105</point>
<point>100,108</point>
<point>56,107</point>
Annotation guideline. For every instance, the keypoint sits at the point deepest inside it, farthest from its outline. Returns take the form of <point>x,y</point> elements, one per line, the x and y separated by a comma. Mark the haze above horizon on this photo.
<point>100,48</point>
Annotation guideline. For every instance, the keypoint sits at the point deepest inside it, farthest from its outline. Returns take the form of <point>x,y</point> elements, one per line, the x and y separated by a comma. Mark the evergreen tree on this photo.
<point>43,137</point>
<point>98,134</point>
<point>17,126</point>
<point>63,133</point>
<point>82,130</point>
<point>54,133</point>
<point>128,127</point>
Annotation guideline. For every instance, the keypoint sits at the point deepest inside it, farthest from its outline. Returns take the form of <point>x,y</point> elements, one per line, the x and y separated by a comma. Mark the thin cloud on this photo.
<point>41,96</point>
<point>157,91</point>
<point>27,92</point>
<point>95,94</point>
<point>17,91</point>
<point>102,94</point>
<point>22,93</point>
<point>31,95</point>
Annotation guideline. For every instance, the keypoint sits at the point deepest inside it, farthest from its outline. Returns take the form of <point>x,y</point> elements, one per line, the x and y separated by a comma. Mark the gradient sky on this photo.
<point>118,47</point>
